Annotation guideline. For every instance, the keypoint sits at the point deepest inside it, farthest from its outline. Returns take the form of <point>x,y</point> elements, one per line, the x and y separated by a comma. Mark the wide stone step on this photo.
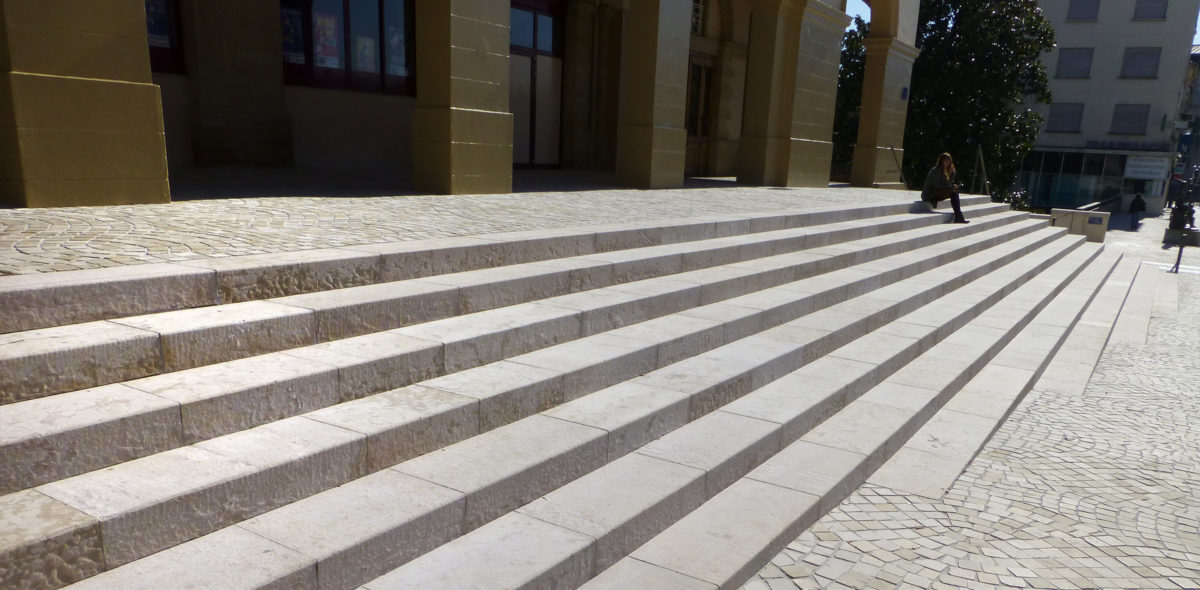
<point>96,427</point>
<point>619,509</point>
<point>506,480</point>
<point>41,362</point>
<point>724,541</point>
<point>71,297</point>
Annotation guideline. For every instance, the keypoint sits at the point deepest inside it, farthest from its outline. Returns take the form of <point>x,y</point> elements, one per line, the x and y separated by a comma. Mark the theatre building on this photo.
<point>103,100</point>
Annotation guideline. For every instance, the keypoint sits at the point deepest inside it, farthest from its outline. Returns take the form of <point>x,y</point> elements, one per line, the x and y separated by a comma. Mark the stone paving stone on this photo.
<point>1079,485</point>
<point>46,240</point>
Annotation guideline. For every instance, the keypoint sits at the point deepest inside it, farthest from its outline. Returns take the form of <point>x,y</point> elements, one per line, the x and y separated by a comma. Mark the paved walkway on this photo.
<point>1095,490</point>
<point>71,238</point>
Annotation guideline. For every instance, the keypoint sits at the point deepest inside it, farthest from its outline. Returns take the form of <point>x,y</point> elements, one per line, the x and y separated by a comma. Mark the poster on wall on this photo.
<point>326,41</point>
<point>158,23</point>
<point>364,54</point>
<point>293,35</point>
<point>396,65</point>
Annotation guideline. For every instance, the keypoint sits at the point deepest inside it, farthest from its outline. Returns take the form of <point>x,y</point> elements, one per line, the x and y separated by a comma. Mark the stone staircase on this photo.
<point>626,406</point>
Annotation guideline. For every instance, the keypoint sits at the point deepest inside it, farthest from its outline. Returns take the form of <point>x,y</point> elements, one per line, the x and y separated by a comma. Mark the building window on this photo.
<point>698,11</point>
<point>1130,119</point>
<point>1140,62</point>
<point>534,33</point>
<point>1084,10</point>
<point>1065,117</point>
<point>355,44</point>
<point>162,34</point>
<point>1074,62</point>
<point>1150,10</point>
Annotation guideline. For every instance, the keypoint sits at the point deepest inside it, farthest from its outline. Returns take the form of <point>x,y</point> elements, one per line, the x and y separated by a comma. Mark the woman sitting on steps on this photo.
<point>940,185</point>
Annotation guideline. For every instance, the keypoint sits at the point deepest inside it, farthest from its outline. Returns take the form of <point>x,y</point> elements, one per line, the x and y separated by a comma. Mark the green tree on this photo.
<point>849,98</point>
<point>978,71</point>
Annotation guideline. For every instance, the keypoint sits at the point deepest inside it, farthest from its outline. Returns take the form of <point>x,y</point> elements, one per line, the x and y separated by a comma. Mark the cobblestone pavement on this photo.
<point>70,238</point>
<point>1095,490</point>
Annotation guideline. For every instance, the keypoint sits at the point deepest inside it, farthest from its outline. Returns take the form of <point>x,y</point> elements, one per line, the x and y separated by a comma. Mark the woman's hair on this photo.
<point>949,171</point>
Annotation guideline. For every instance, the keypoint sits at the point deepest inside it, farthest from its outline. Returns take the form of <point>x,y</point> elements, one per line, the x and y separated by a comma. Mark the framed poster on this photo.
<point>327,41</point>
<point>293,35</point>
<point>158,23</point>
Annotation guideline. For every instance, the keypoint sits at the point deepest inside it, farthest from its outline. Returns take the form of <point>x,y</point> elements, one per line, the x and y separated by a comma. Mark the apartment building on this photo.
<point>1118,78</point>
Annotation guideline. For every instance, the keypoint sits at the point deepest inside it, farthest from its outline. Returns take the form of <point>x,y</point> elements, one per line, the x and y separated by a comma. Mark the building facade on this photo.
<point>1117,75</point>
<point>105,98</point>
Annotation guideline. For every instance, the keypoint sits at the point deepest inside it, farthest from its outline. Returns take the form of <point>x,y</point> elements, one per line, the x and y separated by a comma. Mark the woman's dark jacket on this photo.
<point>937,186</point>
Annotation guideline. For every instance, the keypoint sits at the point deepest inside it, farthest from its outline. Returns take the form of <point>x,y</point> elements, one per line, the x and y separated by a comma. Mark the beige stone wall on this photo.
<point>232,52</point>
<point>80,120</point>
<point>346,131</point>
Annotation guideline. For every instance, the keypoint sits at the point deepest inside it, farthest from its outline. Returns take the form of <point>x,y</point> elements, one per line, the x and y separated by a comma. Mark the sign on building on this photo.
<point>1147,167</point>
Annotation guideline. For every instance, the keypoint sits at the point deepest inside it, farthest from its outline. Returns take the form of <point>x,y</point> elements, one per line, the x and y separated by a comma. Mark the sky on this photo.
<point>859,8</point>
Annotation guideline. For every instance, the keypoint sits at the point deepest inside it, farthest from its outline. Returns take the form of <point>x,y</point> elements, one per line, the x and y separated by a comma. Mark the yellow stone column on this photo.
<point>810,150</point>
<point>80,120</point>
<point>462,127</point>
<point>771,60</point>
<point>884,110</point>
<point>651,138</point>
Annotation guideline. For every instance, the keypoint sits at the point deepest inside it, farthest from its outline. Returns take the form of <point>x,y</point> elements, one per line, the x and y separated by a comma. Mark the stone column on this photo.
<point>884,109</point>
<point>770,93</point>
<point>820,53</point>
<point>232,59</point>
<point>651,138</point>
<point>81,121</point>
<point>462,127</point>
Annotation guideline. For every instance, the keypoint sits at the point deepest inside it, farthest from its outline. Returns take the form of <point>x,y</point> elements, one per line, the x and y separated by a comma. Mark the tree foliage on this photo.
<point>978,71</point>
<point>849,97</point>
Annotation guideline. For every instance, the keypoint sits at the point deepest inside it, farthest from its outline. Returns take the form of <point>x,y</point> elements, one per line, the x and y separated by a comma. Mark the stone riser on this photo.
<point>951,278</point>
<point>721,448</point>
<point>41,301</point>
<point>193,405</point>
<point>755,517</point>
<point>43,362</point>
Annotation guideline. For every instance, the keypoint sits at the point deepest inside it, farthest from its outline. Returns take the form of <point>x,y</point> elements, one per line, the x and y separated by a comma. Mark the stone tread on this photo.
<point>719,447</point>
<point>720,544</point>
<point>77,296</point>
<point>945,445</point>
<point>218,399</point>
<point>185,338</point>
<point>484,443</point>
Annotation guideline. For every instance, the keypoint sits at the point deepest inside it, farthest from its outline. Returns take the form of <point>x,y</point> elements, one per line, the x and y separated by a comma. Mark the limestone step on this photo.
<point>619,508</point>
<point>89,429</point>
<point>71,297</point>
<point>724,541</point>
<point>947,444</point>
<point>575,444</point>
<point>41,362</point>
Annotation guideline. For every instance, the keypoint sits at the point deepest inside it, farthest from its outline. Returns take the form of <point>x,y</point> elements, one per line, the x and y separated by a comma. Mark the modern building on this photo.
<point>1117,75</point>
<point>104,99</point>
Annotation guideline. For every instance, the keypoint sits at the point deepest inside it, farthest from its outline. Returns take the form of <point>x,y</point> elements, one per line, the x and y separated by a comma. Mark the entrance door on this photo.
<point>698,115</point>
<point>535,86</point>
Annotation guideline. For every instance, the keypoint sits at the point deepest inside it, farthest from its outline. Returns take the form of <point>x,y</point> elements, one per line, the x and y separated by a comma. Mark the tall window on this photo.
<point>1065,117</point>
<point>356,44</point>
<point>162,34</point>
<point>698,10</point>
<point>1140,62</point>
<point>1074,62</point>
<point>1085,10</point>
<point>1130,119</point>
<point>1150,10</point>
